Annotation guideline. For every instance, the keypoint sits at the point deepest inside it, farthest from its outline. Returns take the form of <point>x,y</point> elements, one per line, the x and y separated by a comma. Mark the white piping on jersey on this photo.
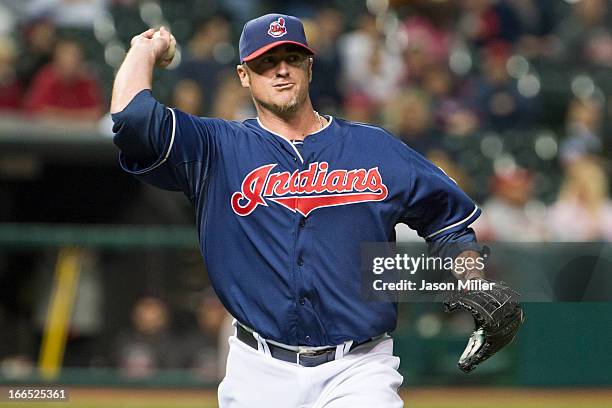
<point>162,161</point>
<point>367,125</point>
<point>287,141</point>
<point>455,224</point>
<point>296,150</point>
<point>172,136</point>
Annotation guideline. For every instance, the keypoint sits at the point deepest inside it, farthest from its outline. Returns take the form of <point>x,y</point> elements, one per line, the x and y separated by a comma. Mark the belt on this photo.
<point>306,359</point>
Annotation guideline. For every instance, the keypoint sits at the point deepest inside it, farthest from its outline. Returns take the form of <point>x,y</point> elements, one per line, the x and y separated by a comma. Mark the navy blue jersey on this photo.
<point>280,224</point>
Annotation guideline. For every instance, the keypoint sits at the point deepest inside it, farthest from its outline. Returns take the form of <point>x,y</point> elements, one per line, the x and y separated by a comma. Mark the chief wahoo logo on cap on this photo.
<point>277,28</point>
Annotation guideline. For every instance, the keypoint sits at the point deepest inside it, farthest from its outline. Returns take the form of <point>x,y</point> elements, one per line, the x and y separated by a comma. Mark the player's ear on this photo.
<point>243,74</point>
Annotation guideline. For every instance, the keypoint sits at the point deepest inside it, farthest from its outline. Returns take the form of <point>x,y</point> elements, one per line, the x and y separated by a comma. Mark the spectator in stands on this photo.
<point>512,213</point>
<point>370,68</point>
<point>537,21</point>
<point>500,104</point>
<point>425,45</point>
<point>39,38</point>
<point>65,88</point>
<point>409,116</point>
<point>201,349</point>
<point>323,33</point>
<point>209,54</point>
<point>583,211</point>
<point>483,22</point>
<point>583,127</point>
<point>233,102</point>
<point>452,114</point>
<point>441,158</point>
<point>187,97</point>
<point>10,87</point>
<point>8,18</point>
<point>586,35</point>
<point>69,13</point>
<point>147,346</point>
<point>359,108</point>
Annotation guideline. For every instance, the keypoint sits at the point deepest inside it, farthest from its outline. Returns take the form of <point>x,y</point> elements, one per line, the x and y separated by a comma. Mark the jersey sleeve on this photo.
<point>165,147</point>
<point>436,207</point>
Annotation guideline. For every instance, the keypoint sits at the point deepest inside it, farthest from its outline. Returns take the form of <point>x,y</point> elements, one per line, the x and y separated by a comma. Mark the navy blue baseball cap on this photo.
<point>269,31</point>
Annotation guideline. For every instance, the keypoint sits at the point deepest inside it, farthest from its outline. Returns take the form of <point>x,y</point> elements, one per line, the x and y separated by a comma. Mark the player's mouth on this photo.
<point>284,85</point>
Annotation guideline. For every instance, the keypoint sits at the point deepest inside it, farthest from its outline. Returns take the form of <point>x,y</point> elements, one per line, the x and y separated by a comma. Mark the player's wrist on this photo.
<point>474,275</point>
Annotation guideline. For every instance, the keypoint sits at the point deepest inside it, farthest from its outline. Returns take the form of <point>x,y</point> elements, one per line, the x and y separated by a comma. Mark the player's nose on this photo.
<point>282,68</point>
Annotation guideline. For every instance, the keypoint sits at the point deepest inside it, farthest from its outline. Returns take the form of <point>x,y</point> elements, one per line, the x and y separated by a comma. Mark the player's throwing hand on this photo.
<point>161,43</point>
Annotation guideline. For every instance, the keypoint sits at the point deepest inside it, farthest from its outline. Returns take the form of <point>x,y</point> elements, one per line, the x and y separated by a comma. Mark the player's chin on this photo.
<point>288,103</point>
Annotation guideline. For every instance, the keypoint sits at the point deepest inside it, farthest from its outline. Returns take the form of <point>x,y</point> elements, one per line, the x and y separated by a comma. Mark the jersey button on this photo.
<point>302,301</point>
<point>302,222</point>
<point>294,158</point>
<point>300,262</point>
<point>307,338</point>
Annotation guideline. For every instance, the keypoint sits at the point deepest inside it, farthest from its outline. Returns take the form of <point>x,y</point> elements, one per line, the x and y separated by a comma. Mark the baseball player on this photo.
<point>283,202</point>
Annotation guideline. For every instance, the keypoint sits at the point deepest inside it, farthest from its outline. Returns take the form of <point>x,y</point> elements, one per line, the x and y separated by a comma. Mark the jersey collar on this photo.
<point>314,141</point>
<point>329,122</point>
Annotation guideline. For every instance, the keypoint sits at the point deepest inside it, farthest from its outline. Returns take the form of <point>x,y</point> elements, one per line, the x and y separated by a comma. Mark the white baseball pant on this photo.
<point>367,377</point>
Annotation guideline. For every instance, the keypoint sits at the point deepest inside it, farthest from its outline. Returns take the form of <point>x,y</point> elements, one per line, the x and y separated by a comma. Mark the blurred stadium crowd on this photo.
<point>512,98</point>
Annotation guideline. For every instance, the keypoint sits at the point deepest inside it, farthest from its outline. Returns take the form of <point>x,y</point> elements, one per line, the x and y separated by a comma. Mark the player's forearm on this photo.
<point>134,75</point>
<point>463,247</point>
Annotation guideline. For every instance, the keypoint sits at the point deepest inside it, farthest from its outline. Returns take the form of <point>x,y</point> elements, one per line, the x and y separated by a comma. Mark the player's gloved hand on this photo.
<point>497,316</point>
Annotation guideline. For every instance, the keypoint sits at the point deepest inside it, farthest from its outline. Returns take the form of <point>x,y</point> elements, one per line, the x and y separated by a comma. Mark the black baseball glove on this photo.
<point>497,315</point>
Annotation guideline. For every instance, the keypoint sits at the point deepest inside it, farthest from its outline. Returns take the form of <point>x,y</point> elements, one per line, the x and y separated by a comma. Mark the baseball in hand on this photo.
<point>166,59</point>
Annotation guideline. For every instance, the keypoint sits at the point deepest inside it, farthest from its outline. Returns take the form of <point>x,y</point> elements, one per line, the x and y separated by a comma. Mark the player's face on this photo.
<point>278,79</point>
